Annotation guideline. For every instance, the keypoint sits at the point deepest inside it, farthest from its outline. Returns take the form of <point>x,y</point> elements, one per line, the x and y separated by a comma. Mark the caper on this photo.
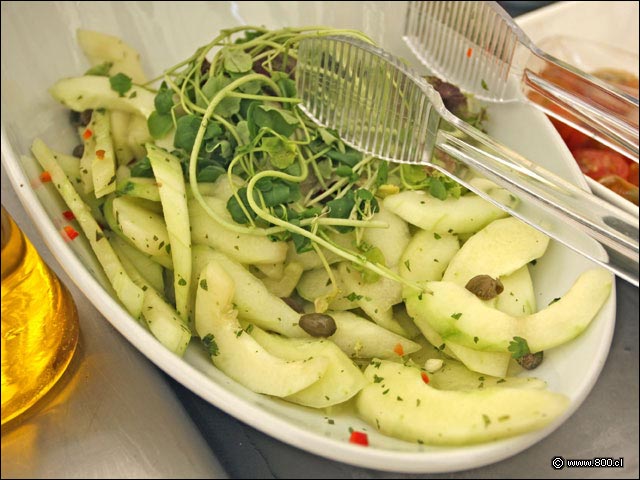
<point>85,117</point>
<point>530,360</point>
<point>78,151</point>
<point>485,287</point>
<point>293,303</point>
<point>318,324</point>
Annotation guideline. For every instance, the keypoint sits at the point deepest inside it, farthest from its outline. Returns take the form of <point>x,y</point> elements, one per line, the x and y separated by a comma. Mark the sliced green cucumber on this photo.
<point>467,214</point>
<point>238,354</point>
<point>252,299</point>
<point>93,92</point>
<point>400,404</point>
<point>501,248</point>
<point>340,382</point>
<point>362,338</point>
<point>168,174</point>
<point>459,316</point>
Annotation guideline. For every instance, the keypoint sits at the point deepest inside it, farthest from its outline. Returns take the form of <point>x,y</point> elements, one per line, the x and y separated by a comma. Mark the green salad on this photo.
<point>227,221</point>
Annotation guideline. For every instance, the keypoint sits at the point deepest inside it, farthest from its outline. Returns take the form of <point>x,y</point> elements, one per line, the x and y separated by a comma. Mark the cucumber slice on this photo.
<point>467,214</point>
<point>283,287</point>
<point>150,271</point>
<point>501,248</point>
<point>93,92</point>
<point>103,164</point>
<point>100,47</point>
<point>242,247</point>
<point>455,376</point>
<point>361,338</point>
<point>427,256</point>
<point>341,381</point>
<point>487,363</point>
<point>459,316</point>
<point>238,354</point>
<point>376,299</point>
<point>252,299</point>
<point>128,292</point>
<point>316,284</point>
<point>139,187</point>
<point>143,228</point>
<point>392,240</point>
<point>402,405</point>
<point>168,174</point>
<point>518,297</point>
<point>164,322</point>
<point>119,132</point>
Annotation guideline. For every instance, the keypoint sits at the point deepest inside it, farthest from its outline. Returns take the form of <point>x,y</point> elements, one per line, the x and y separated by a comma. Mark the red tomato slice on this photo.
<point>597,163</point>
<point>633,173</point>
<point>572,137</point>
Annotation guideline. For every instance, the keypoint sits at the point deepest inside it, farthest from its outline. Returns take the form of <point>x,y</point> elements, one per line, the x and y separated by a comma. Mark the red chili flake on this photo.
<point>45,177</point>
<point>398,349</point>
<point>68,214</point>
<point>425,377</point>
<point>71,232</point>
<point>359,438</point>
<point>100,154</point>
<point>469,52</point>
<point>87,134</point>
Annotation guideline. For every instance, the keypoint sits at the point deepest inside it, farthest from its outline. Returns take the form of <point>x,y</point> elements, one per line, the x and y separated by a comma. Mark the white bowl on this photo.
<point>39,47</point>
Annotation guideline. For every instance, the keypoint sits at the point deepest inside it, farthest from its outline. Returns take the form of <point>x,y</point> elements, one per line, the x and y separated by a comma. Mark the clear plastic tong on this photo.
<point>382,107</point>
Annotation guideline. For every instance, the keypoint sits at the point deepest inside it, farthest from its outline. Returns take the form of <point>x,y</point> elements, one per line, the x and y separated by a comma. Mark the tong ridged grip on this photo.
<point>368,97</point>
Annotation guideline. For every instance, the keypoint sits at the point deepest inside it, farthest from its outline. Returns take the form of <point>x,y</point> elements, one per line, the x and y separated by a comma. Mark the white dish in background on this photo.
<point>165,33</point>
<point>590,36</point>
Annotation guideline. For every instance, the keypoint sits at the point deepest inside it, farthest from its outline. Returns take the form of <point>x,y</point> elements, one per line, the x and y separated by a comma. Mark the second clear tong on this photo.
<point>382,107</point>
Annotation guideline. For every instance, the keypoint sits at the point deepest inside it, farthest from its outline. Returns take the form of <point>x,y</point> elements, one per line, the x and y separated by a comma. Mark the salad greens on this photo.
<point>236,115</point>
<point>218,210</point>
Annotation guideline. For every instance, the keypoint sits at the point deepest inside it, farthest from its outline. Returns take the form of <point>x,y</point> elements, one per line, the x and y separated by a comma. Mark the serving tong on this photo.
<point>478,47</point>
<point>382,107</point>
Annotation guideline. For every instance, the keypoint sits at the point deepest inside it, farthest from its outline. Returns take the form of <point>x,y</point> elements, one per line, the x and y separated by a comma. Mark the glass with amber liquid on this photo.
<point>39,323</point>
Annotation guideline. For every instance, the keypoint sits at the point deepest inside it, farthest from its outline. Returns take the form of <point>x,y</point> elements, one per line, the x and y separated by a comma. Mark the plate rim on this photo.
<point>468,457</point>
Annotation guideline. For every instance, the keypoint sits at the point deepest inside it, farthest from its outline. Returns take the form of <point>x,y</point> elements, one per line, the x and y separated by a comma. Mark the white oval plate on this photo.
<point>165,33</point>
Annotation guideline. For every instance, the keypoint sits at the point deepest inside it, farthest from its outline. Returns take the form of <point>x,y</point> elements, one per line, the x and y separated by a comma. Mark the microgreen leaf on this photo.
<point>287,86</point>
<point>210,173</point>
<point>228,106</point>
<point>276,119</point>
<point>242,128</point>
<point>414,173</point>
<point>350,157</point>
<point>101,70</point>
<point>341,207</point>
<point>437,188</point>
<point>327,136</point>
<point>186,131</point>
<point>236,61</point>
<point>164,101</point>
<point>382,175</point>
<point>142,168</point>
<point>234,208</point>
<point>159,125</point>
<point>120,83</point>
<point>281,154</point>
<point>519,347</point>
